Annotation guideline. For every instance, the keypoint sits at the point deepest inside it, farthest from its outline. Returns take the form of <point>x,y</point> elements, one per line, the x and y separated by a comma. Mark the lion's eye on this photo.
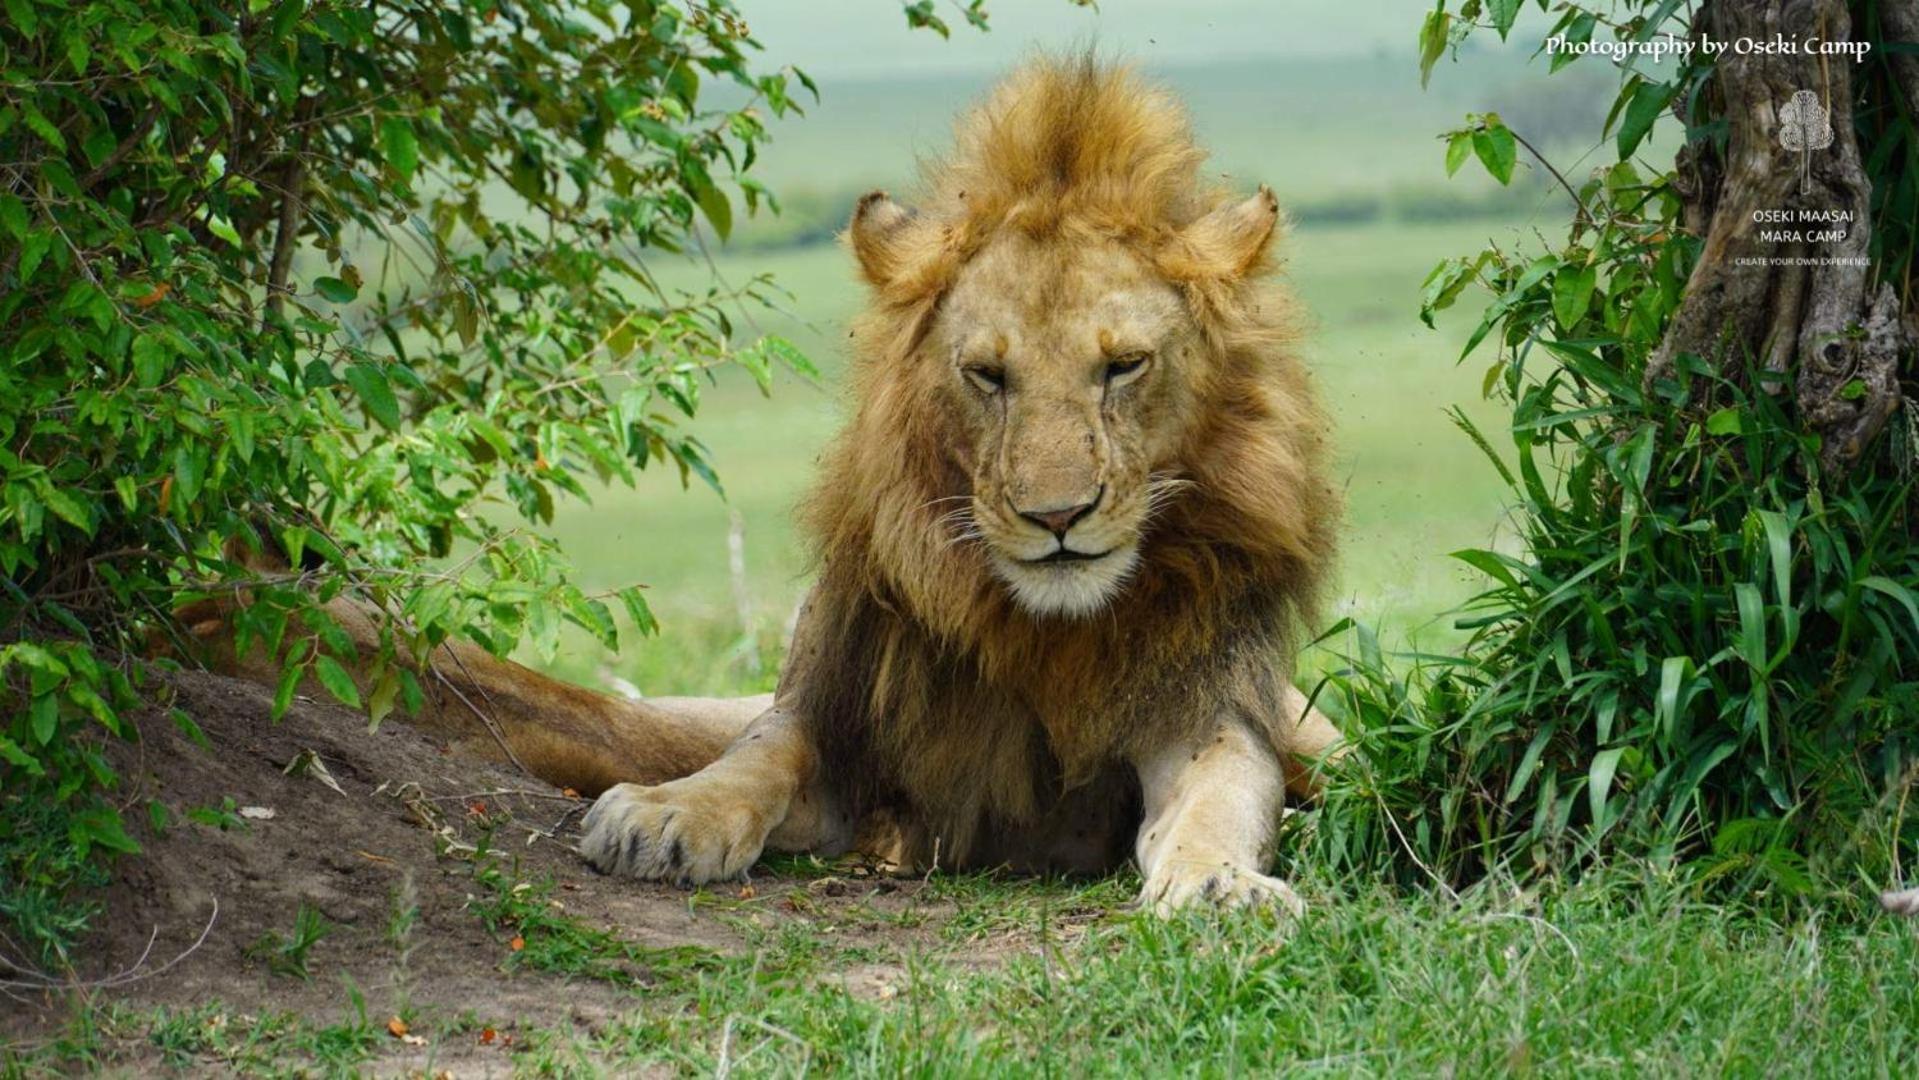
<point>989,380</point>
<point>1125,367</point>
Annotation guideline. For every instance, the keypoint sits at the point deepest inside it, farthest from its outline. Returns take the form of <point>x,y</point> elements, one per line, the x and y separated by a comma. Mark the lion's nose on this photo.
<point>1059,521</point>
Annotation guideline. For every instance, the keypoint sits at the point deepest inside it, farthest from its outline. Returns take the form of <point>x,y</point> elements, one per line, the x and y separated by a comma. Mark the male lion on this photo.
<point>1064,541</point>
<point>1065,545</point>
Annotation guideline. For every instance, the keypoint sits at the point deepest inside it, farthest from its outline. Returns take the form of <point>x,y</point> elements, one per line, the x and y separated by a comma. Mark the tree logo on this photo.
<point>1804,127</point>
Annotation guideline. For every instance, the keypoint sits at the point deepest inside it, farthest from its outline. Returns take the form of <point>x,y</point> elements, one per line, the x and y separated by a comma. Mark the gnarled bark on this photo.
<point>1804,307</point>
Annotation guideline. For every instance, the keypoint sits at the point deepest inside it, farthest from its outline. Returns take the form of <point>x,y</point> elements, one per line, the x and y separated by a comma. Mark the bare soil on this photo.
<point>181,923</point>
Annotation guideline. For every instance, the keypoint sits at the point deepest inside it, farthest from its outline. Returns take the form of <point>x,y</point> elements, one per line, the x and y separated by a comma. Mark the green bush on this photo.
<point>1696,647</point>
<point>364,284</point>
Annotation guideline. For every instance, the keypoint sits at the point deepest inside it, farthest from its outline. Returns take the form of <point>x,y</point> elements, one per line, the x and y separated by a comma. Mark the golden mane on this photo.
<point>1066,150</point>
<point>1062,145</point>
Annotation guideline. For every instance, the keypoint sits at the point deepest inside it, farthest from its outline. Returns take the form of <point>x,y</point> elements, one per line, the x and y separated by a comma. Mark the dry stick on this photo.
<point>1536,921</point>
<point>126,976</point>
<point>1414,855</point>
<point>501,792</point>
<point>486,721</point>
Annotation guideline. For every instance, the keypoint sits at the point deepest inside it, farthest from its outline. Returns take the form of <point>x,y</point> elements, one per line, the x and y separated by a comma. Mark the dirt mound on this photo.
<point>428,874</point>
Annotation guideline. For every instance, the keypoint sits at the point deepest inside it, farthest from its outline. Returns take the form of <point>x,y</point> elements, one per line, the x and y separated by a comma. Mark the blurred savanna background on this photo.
<point>1322,102</point>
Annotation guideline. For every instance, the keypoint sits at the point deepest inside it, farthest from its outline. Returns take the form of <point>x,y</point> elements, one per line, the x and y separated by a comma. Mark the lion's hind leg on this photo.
<point>1305,738</point>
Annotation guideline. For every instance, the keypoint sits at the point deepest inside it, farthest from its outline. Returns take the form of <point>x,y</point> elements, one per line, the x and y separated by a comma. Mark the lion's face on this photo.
<point>1068,373</point>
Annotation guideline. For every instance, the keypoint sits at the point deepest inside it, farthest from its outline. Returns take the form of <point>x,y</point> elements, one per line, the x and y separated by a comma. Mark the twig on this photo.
<point>1537,921</point>
<point>500,792</point>
<point>34,980</point>
<point>1578,203</point>
<point>1414,855</point>
<point>485,720</point>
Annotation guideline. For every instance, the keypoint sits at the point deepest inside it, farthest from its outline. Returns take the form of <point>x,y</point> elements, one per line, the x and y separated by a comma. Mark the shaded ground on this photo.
<point>448,895</point>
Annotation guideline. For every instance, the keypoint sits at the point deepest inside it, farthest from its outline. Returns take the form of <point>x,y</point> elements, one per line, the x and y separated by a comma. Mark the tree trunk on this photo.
<point>1802,309</point>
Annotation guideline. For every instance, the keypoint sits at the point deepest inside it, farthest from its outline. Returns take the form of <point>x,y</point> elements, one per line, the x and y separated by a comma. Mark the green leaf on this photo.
<point>1726,421</point>
<point>32,250</point>
<point>222,228</point>
<point>1433,34</point>
<point>336,680</point>
<point>101,827</point>
<point>44,717</point>
<point>543,624</point>
<point>1458,149</point>
<point>24,16</point>
<point>77,52</point>
<point>13,215</point>
<point>336,290</point>
<point>67,508</point>
<point>400,146</point>
<point>376,394</point>
<point>1529,762</point>
<point>189,471</point>
<point>283,692</point>
<point>12,754</point>
<point>638,612</point>
<point>43,127</point>
<point>1648,101</point>
<point>1898,592</point>
<point>381,699</point>
<point>1779,546</point>
<point>714,204</point>
<point>1493,142</point>
<point>1504,12</point>
<point>790,354</point>
<point>1668,706</point>
<point>1573,293</point>
<point>1599,779</point>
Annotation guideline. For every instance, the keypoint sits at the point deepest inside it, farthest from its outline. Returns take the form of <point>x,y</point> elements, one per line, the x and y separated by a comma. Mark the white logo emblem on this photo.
<point>1803,128</point>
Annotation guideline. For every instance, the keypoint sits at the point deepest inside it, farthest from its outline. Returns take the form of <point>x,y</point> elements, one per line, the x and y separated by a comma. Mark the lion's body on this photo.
<point>1066,542</point>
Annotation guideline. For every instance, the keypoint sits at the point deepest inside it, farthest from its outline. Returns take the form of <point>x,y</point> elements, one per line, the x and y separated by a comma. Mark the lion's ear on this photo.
<point>1231,240</point>
<point>877,236</point>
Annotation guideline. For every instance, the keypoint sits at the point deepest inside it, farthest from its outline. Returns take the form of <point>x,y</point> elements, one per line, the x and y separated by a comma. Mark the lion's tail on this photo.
<point>568,736</point>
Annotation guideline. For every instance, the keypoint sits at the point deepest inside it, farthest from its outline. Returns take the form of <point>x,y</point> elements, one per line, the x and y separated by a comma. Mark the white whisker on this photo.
<point>931,503</point>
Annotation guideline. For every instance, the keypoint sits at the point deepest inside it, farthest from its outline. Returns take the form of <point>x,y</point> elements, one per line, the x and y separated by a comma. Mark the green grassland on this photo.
<point>1619,976</point>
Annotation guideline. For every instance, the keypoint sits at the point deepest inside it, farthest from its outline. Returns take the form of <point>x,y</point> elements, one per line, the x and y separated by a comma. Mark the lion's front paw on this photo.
<point>688,831</point>
<point>1182,885</point>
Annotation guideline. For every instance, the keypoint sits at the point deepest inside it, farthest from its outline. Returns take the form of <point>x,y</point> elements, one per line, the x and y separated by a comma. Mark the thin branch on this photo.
<point>34,980</point>
<point>292,209</point>
<point>1578,203</point>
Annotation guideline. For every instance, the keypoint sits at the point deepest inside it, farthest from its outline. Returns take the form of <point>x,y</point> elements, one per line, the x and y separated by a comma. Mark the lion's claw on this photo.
<point>1184,885</point>
<point>676,832</point>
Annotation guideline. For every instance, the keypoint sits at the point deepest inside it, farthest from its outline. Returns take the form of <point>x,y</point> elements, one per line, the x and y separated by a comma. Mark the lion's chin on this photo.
<point>1067,589</point>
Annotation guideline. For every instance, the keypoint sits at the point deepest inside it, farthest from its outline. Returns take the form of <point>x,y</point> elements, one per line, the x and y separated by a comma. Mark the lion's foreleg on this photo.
<point>1212,805</point>
<point>764,791</point>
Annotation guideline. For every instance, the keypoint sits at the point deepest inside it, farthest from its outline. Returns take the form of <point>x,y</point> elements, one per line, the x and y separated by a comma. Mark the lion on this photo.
<point>1066,544</point>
